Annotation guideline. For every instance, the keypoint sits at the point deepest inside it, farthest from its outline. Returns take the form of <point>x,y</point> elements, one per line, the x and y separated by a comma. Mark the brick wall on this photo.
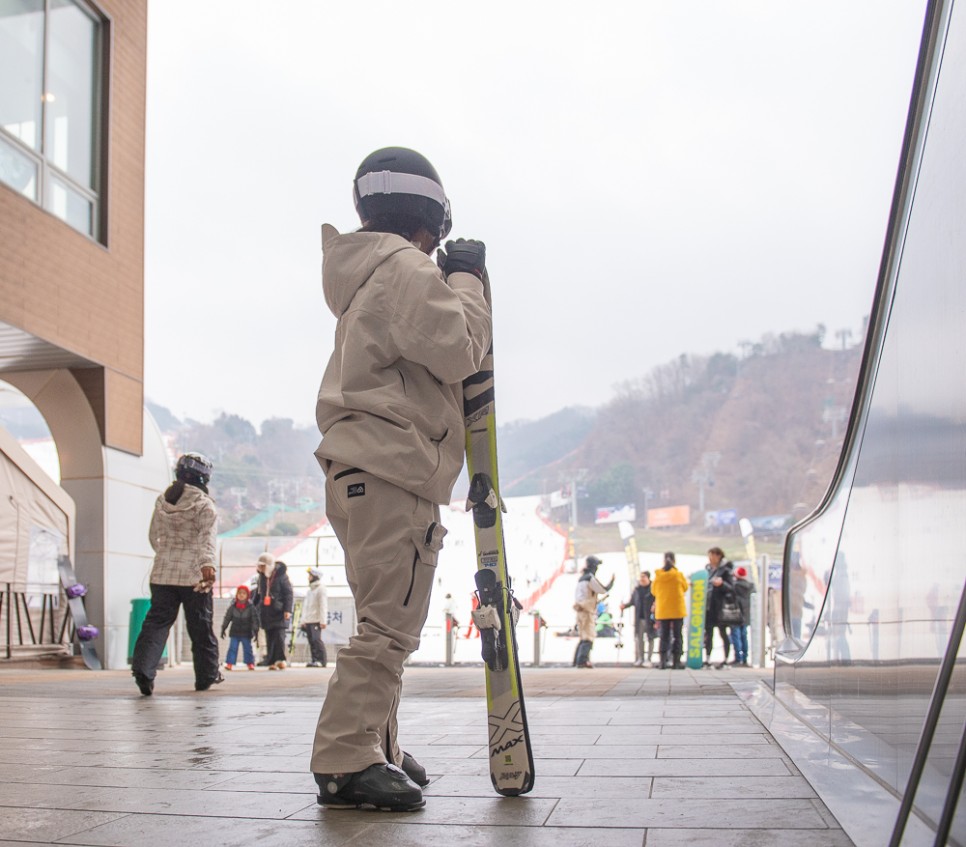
<point>84,296</point>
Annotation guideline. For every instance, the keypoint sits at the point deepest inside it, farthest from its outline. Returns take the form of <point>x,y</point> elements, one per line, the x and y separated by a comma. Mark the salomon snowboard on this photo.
<point>695,630</point>
<point>511,757</point>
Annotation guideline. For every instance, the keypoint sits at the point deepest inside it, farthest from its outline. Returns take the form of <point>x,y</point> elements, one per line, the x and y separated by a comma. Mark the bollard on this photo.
<point>449,639</point>
<point>538,624</point>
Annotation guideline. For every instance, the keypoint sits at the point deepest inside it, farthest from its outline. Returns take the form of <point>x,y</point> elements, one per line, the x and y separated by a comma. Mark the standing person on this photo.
<point>721,583</point>
<point>669,588</point>
<point>182,534</point>
<point>315,616</point>
<point>585,605</point>
<point>241,625</point>
<point>408,332</point>
<point>275,600</point>
<point>744,588</point>
<point>642,601</point>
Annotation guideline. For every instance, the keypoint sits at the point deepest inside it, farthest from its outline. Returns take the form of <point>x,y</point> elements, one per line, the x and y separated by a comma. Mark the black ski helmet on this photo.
<point>193,467</point>
<point>399,184</point>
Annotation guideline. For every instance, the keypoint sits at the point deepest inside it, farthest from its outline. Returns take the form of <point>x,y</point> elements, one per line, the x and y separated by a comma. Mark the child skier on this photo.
<point>241,624</point>
<point>390,411</point>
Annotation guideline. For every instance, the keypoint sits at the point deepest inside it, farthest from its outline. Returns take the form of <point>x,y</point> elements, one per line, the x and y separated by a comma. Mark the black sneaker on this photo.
<point>145,685</point>
<point>383,787</point>
<point>204,686</point>
<point>415,771</point>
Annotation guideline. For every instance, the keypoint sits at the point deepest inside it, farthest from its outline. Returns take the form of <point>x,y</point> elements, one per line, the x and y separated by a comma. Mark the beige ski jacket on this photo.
<point>391,396</point>
<point>183,537</point>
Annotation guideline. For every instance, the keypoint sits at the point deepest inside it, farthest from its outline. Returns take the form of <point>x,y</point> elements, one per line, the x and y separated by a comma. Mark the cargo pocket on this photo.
<point>428,541</point>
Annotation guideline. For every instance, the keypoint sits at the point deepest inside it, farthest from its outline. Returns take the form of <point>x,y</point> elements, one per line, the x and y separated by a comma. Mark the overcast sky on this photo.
<point>650,178</point>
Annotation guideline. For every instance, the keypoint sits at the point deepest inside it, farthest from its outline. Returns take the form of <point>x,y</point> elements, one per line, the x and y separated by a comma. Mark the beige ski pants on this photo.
<point>391,540</point>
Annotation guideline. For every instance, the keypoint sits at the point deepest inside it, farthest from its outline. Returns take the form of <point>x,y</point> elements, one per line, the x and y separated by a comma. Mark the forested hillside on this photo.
<point>760,435</point>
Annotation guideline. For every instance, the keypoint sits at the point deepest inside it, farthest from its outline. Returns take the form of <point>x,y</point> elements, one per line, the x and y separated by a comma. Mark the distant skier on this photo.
<point>182,533</point>
<point>315,616</point>
<point>585,605</point>
<point>390,410</point>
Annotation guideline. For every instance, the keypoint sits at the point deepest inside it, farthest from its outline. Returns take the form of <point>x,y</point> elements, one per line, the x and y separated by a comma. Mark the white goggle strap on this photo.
<point>390,182</point>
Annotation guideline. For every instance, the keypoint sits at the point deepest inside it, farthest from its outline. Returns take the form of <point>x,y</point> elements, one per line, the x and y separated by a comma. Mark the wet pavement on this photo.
<point>624,756</point>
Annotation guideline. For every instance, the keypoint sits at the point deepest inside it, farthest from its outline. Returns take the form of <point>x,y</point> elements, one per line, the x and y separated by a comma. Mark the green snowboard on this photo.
<point>699,601</point>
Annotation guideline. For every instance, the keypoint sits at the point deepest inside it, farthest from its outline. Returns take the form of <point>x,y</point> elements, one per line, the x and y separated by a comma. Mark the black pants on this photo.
<point>275,644</point>
<point>313,631</point>
<point>709,640</point>
<point>165,602</point>
<point>671,643</point>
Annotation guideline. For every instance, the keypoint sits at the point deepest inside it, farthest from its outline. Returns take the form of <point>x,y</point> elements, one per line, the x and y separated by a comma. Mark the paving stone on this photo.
<point>742,786</point>
<point>47,825</point>
<point>695,766</point>
<point>158,830</point>
<point>745,838</point>
<point>419,835</point>
<point>723,814</point>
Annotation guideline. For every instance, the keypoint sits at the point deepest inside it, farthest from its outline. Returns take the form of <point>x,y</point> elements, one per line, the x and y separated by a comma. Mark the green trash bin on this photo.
<point>139,611</point>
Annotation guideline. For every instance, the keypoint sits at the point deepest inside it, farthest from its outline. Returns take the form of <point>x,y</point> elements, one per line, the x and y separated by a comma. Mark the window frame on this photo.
<point>48,174</point>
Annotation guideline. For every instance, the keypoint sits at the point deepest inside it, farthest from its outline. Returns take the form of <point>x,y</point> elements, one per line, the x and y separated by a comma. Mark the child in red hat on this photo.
<point>243,624</point>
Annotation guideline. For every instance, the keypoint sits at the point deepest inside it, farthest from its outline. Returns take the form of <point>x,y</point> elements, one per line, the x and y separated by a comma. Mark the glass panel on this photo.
<point>18,170</point>
<point>885,555</point>
<point>21,68</point>
<point>46,545</point>
<point>71,206</point>
<point>69,98</point>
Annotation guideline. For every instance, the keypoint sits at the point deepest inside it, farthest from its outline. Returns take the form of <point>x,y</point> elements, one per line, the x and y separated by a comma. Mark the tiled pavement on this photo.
<point>624,756</point>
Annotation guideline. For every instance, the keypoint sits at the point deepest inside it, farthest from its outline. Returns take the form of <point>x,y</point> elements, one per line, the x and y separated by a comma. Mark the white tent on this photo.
<point>36,522</point>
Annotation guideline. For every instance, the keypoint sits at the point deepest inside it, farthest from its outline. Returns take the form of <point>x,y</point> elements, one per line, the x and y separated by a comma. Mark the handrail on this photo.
<point>952,795</point>
<point>932,720</point>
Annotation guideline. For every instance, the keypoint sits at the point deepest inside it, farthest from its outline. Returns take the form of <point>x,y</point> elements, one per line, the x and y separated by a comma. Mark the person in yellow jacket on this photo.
<point>669,588</point>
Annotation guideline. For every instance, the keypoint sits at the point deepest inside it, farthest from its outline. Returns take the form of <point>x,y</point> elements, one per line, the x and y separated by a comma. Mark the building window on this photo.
<point>50,102</point>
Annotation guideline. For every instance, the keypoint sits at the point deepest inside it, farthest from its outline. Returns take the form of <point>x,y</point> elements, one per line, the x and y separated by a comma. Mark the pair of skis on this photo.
<point>511,757</point>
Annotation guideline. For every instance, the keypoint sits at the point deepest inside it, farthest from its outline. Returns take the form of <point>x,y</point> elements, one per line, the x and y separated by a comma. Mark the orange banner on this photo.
<point>669,516</point>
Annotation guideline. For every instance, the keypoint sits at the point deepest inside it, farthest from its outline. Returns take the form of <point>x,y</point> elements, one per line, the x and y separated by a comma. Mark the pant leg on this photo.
<point>231,657</point>
<point>247,651</point>
<point>736,641</point>
<point>723,630</point>
<point>664,626</point>
<point>161,615</point>
<point>198,617</point>
<point>275,644</point>
<point>677,640</point>
<point>313,631</point>
<point>638,641</point>
<point>586,626</point>
<point>390,571</point>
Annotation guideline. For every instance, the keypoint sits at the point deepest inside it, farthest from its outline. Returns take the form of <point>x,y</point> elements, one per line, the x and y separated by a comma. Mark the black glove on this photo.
<point>464,256</point>
<point>223,633</point>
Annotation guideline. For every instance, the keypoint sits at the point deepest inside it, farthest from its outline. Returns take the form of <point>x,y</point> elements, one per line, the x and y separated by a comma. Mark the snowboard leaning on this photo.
<point>511,757</point>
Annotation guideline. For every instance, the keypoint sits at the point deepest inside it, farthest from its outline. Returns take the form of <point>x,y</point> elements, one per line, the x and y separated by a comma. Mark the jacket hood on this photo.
<point>191,498</point>
<point>349,260</point>
<point>280,568</point>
